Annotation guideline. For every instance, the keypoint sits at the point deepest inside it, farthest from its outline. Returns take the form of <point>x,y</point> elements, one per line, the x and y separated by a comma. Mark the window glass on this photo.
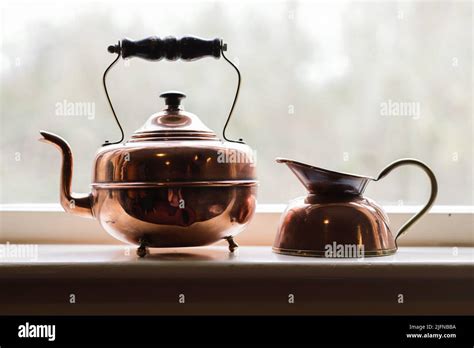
<point>349,86</point>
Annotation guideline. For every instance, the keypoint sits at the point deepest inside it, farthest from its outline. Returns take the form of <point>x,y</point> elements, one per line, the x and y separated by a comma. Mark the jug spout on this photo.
<point>324,182</point>
<point>77,204</point>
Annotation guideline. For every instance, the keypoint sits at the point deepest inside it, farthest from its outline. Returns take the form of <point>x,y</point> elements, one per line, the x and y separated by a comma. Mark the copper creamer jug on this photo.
<point>335,219</point>
<point>174,183</point>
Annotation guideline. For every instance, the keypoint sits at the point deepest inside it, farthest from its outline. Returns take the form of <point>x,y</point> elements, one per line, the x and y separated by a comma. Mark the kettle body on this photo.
<point>168,185</point>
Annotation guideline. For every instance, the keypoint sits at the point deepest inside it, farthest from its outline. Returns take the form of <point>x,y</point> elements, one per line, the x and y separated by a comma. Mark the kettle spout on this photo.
<point>77,204</point>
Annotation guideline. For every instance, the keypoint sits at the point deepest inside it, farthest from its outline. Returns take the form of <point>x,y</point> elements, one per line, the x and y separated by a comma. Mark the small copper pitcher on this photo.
<point>335,219</point>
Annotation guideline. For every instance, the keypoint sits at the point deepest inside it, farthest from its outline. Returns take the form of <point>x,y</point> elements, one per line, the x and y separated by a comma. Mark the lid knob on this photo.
<point>173,98</point>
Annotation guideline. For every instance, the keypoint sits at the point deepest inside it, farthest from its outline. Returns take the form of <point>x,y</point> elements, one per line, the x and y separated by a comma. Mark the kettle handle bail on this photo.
<point>153,48</point>
<point>433,194</point>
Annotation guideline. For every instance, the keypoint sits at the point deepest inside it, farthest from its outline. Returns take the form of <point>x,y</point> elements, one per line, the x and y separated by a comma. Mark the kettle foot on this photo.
<point>142,250</point>
<point>232,244</point>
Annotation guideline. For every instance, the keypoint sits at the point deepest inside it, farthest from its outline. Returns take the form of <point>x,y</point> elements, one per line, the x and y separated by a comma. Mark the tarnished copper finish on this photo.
<point>335,214</point>
<point>173,184</point>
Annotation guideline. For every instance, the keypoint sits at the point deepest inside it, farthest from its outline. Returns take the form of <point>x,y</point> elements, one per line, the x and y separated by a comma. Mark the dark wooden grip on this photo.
<point>187,48</point>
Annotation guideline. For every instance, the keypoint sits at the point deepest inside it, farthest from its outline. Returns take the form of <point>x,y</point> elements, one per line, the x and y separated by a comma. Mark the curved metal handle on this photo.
<point>104,84</point>
<point>239,80</point>
<point>153,48</point>
<point>434,189</point>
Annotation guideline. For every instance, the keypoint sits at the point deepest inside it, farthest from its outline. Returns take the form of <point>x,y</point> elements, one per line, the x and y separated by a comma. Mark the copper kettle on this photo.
<point>335,219</point>
<point>174,183</point>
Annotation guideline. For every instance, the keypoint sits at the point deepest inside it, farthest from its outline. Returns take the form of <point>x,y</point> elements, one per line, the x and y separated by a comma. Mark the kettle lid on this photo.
<point>173,123</point>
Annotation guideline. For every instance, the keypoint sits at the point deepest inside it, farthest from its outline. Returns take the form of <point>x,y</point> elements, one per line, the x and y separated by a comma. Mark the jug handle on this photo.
<point>434,189</point>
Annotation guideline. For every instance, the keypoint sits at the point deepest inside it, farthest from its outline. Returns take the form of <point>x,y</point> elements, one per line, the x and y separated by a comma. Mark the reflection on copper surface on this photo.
<point>308,226</point>
<point>148,214</point>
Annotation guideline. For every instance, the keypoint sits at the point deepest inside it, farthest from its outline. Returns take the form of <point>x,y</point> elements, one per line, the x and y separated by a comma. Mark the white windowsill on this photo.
<point>430,261</point>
